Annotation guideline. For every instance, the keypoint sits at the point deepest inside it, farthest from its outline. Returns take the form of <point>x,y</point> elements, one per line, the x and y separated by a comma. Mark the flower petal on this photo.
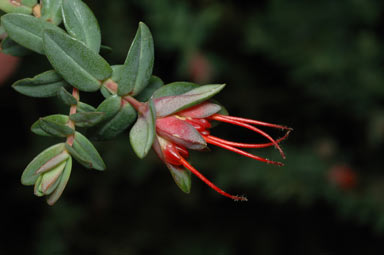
<point>180,132</point>
<point>200,111</point>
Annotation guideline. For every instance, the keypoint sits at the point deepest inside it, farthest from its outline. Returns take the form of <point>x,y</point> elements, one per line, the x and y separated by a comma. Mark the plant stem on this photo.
<point>73,110</point>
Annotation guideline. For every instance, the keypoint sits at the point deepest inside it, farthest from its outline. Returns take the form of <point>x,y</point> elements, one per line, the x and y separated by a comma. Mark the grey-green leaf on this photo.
<point>88,152</point>
<point>59,119</point>
<point>43,85</point>
<point>27,30</point>
<point>143,132</point>
<point>174,88</point>
<point>29,176</point>
<point>80,66</point>
<point>63,182</point>
<point>110,106</point>
<point>81,23</point>
<point>83,107</point>
<point>55,129</point>
<point>154,84</point>
<point>117,123</point>
<point>182,177</point>
<point>11,47</point>
<point>51,11</point>
<point>29,3</point>
<point>86,119</point>
<point>66,97</point>
<point>137,68</point>
<point>9,7</point>
<point>171,104</point>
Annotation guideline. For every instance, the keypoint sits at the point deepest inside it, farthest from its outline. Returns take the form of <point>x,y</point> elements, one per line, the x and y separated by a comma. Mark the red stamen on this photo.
<point>241,152</point>
<point>209,183</point>
<point>246,145</point>
<point>199,124</point>
<point>204,132</point>
<point>171,155</point>
<point>182,151</point>
<point>254,122</point>
<point>223,118</point>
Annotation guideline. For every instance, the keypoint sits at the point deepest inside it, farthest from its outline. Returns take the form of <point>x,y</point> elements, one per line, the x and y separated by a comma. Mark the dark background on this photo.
<point>316,66</point>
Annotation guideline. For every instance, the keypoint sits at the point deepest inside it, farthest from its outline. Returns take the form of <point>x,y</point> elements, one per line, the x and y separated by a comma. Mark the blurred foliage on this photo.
<point>313,65</point>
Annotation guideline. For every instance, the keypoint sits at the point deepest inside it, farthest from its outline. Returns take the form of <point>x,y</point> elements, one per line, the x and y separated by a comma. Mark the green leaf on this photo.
<point>116,72</point>
<point>174,88</point>
<point>29,176</point>
<point>80,66</point>
<point>49,180</point>
<point>154,83</point>
<point>86,119</point>
<point>182,177</point>
<point>59,119</point>
<point>81,23</point>
<point>171,104</point>
<point>143,132</point>
<point>51,11</point>
<point>110,107</point>
<point>14,6</point>
<point>83,107</point>
<point>117,123</point>
<point>27,30</point>
<point>66,97</point>
<point>54,128</point>
<point>46,84</point>
<point>88,152</point>
<point>11,47</point>
<point>78,156</point>
<point>63,182</point>
<point>137,69</point>
<point>29,3</point>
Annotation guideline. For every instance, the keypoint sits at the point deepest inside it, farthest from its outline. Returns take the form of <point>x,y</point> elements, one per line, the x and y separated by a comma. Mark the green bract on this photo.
<point>46,84</point>
<point>174,88</point>
<point>80,66</point>
<point>137,69</point>
<point>143,132</point>
<point>27,30</point>
<point>181,176</point>
<point>80,22</point>
<point>170,104</point>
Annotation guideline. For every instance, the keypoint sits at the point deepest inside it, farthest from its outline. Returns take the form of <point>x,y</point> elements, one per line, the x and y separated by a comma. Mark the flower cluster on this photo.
<point>190,129</point>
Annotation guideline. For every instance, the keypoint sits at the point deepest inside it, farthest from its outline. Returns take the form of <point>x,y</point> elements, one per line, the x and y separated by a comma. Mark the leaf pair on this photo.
<point>136,72</point>
<point>49,172</point>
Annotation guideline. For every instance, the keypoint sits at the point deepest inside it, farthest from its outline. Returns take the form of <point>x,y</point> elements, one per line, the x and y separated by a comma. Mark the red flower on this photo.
<point>189,129</point>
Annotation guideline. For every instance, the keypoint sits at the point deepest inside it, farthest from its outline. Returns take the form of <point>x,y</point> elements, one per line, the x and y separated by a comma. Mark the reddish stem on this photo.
<point>73,110</point>
<point>223,118</point>
<point>139,106</point>
<point>241,152</point>
<point>209,183</point>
